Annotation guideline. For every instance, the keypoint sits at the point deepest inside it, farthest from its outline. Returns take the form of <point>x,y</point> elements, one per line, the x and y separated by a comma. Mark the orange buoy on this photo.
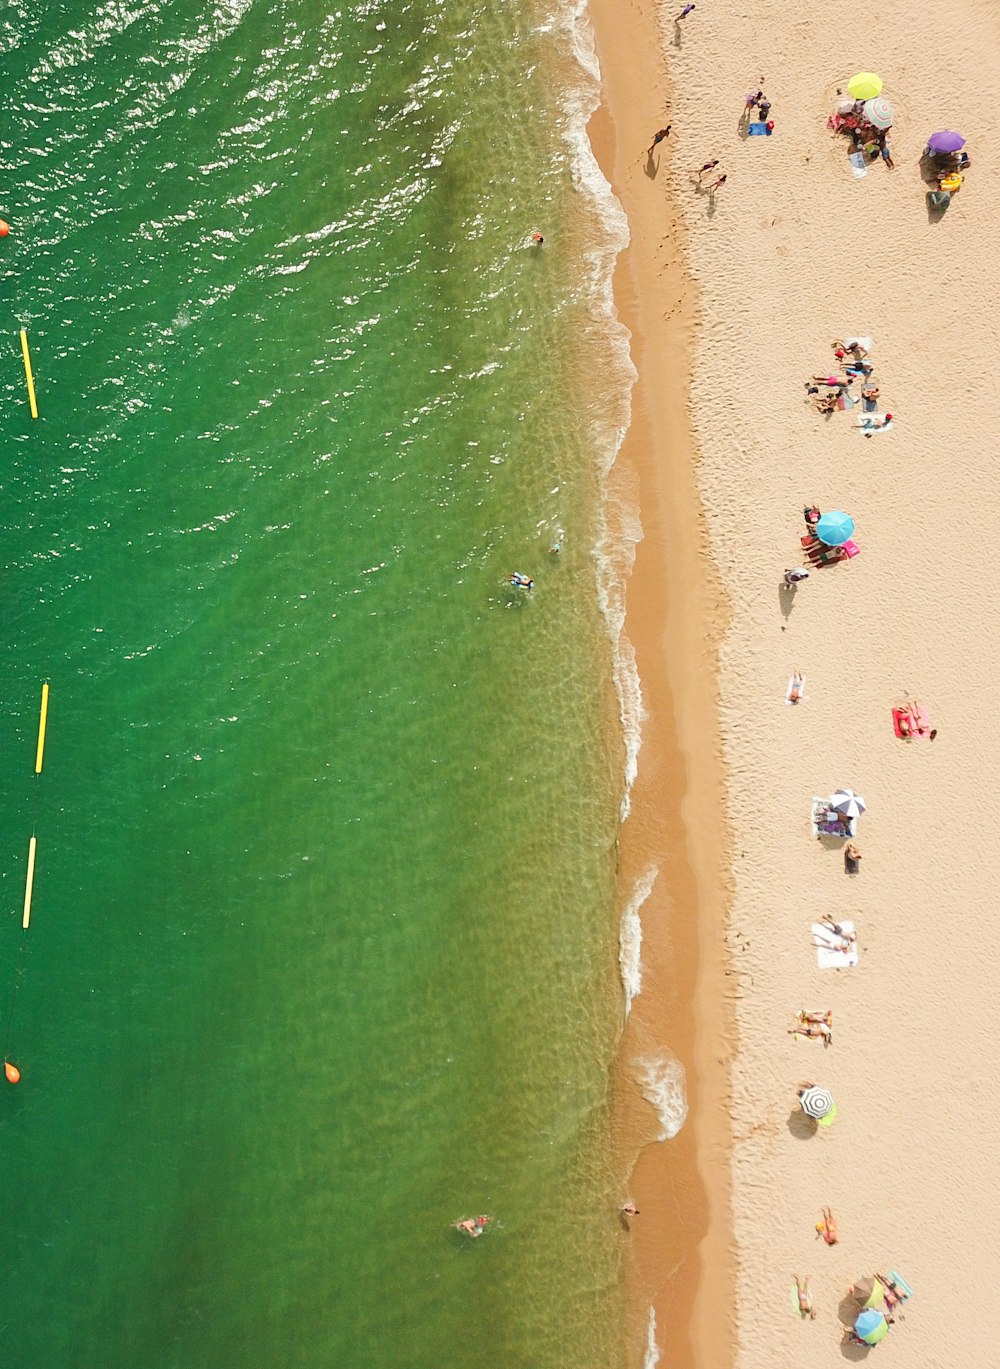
<point>4,228</point>
<point>12,1072</point>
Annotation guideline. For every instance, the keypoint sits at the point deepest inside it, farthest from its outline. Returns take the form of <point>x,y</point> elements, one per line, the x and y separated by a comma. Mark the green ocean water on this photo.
<point>323,946</point>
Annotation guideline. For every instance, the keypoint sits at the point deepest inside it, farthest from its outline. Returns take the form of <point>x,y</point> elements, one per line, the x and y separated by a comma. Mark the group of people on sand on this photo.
<point>836,390</point>
<point>851,120</point>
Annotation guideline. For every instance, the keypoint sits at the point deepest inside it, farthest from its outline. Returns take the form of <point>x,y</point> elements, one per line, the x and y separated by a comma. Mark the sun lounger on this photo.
<point>831,954</point>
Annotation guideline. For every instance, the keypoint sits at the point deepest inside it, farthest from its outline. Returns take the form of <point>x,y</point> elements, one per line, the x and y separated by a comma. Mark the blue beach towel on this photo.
<point>859,167</point>
<point>758,130</point>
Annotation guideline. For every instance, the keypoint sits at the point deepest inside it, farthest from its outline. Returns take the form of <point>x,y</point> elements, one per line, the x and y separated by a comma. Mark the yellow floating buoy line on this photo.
<point>11,1072</point>
<point>27,373</point>
<point>42,719</point>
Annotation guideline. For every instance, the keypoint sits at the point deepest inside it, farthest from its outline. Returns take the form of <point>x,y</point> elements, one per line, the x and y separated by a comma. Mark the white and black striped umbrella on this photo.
<point>816,1102</point>
<point>847,802</point>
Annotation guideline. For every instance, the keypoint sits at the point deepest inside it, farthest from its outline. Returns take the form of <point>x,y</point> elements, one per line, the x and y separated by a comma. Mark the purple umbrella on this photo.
<point>945,141</point>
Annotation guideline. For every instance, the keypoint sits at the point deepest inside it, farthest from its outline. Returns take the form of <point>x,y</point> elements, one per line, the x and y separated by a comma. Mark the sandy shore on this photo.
<point>752,287</point>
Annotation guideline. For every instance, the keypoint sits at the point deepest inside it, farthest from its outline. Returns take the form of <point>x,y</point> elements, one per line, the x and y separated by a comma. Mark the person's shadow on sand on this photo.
<point>786,599</point>
<point>802,1127</point>
<point>678,33</point>
<point>652,166</point>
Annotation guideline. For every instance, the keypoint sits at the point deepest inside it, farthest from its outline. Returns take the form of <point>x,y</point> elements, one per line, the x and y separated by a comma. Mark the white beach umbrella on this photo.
<point>847,802</point>
<point>816,1102</point>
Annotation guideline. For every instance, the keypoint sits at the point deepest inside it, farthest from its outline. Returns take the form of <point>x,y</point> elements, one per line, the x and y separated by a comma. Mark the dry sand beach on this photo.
<point>732,303</point>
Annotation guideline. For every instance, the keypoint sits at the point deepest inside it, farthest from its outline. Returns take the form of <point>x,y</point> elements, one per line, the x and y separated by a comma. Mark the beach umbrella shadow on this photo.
<point>802,1127</point>
<point>854,1352</point>
<point>848,1311</point>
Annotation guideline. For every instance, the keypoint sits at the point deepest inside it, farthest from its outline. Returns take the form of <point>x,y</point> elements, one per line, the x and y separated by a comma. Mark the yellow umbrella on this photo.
<point>864,86</point>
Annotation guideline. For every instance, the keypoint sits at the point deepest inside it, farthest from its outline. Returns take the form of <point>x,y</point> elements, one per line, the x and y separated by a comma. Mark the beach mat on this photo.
<point>827,957</point>
<point>758,130</point>
<point>859,167</point>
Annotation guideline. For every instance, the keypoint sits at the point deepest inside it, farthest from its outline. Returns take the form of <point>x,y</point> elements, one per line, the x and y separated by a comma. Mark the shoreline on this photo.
<point>675,614</point>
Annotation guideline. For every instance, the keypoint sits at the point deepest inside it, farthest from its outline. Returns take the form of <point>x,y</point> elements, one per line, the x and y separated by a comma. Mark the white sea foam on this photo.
<point>662,1083</point>
<point>620,528</point>
<point>652,1349</point>
<point>630,937</point>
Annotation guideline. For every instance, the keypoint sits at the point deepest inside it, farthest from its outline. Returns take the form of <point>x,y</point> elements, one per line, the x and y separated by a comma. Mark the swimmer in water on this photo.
<point>520,581</point>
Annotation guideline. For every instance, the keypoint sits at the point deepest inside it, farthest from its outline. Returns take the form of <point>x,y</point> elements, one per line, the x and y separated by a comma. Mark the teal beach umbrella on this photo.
<point>871,1327</point>
<point>835,529</point>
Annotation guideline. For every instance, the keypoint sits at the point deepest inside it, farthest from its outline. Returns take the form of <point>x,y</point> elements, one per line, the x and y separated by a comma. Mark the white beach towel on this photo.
<point>859,167</point>
<point>826,940</point>
<point>802,690</point>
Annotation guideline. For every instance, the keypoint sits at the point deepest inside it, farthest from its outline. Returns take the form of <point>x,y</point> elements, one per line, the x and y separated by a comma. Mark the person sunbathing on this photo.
<point>827,1227</point>
<point>826,1017</point>
<point>797,685</point>
<point>870,392</point>
<point>816,1029</point>
<point>893,1295</point>
<point>833,380</point>
<point>804,1296</point>
<point>840,939</point>
<point>827,404</point>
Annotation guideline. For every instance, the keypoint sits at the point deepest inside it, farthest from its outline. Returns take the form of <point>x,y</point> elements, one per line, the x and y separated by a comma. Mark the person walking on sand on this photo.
<point>684,13</point>
<point>717,185</point>
<point>795,575</point>
<point>707,166</point>
<point>658,138</point>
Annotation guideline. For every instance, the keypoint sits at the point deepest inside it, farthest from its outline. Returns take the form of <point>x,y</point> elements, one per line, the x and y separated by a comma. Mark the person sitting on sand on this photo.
<point>827,404</point>
<point>827,1227</point>
<point>852,858</point>
<point>870,392</point>
<point>805,1297</point>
